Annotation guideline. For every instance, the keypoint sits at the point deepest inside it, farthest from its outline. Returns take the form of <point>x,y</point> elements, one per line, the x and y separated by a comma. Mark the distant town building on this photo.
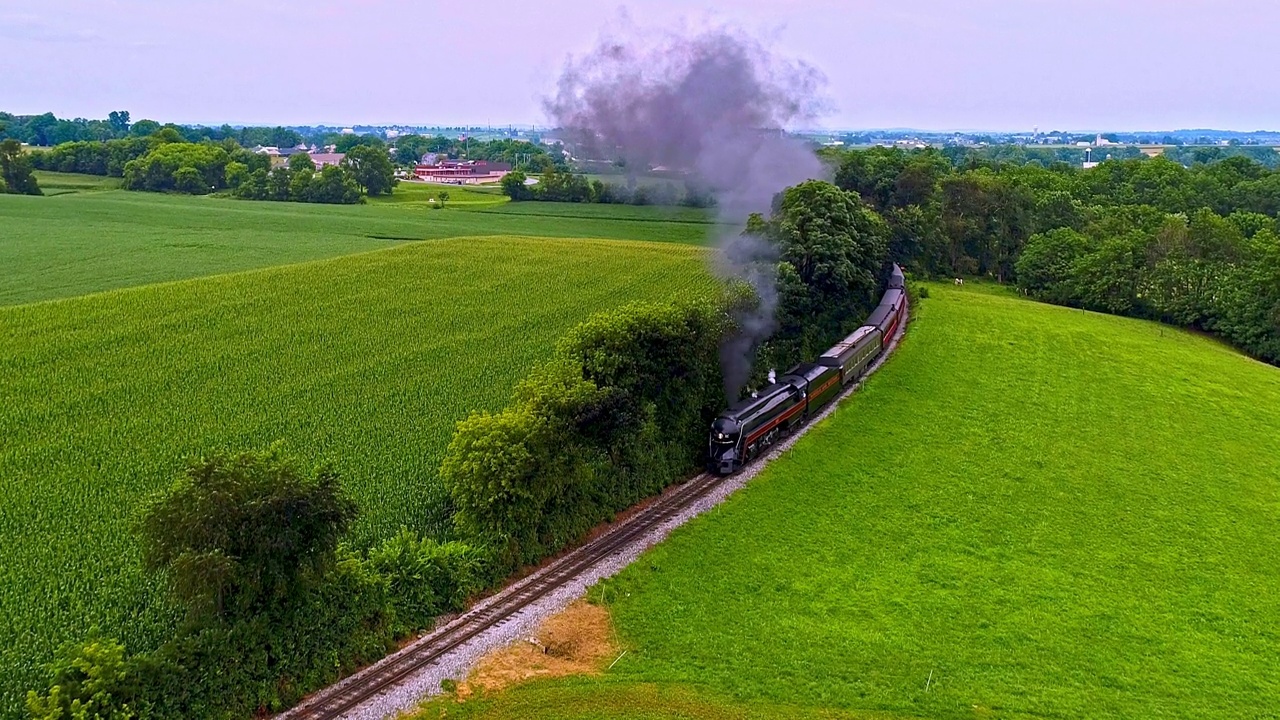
<point>461,172</point>
<point>328,158</point>
<point>280,156</point>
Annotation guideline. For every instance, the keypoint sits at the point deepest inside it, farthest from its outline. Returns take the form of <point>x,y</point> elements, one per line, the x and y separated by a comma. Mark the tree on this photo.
<point>119,121</point>
<point>1047,262</point>
<point>302,170</point>
<point>372,168</point>
<point>168,134</point>
<point>237,534</point>
<point>236,174</point>
<point>193,168</point>
<point>15,170</point>
<point>143,128</point>
<point>832,249</point>
<point>442,197</point>
<point>515,186</point>
<point>40,129</point>
<point>187,179</point>
<point>334,184</point>
<point>347,143</point>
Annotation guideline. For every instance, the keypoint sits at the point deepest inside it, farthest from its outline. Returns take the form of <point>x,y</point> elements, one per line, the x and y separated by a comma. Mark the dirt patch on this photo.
<point>578,641</point>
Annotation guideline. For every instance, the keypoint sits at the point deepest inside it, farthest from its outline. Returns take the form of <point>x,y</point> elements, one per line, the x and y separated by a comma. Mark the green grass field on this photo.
<point>578,699</point>
<point>367,361</point>
<point>469,196</point>
<point>53,183</point>
<point>593,211</point>
<point>1030,512</point>
<point>91,239</point>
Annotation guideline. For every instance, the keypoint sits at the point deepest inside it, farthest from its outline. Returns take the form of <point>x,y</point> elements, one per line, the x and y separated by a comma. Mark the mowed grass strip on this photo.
<point>86,242</point>
<point>1030,511</point>
<point>367,361</point>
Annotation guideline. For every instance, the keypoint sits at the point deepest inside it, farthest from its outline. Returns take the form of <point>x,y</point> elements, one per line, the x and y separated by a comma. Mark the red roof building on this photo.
<point>462,172</point>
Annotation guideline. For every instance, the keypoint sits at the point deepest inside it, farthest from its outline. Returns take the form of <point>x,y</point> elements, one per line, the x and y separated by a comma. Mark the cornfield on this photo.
<point>365,361</point>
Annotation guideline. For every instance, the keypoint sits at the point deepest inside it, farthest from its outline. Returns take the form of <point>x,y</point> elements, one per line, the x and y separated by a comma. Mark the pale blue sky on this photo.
<point>937,64</point>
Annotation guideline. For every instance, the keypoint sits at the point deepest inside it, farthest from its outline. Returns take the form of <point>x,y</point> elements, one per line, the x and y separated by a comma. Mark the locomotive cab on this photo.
<point>725,457</point>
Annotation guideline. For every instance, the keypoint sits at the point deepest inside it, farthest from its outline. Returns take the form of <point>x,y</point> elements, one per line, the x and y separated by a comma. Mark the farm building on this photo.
<point>462,172</point>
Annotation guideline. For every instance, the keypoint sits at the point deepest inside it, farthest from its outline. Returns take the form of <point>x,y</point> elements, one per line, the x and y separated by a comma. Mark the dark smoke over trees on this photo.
<point>712,105</point>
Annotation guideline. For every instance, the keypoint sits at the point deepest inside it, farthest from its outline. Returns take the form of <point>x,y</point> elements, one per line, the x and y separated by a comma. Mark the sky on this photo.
<point>1083,65</point>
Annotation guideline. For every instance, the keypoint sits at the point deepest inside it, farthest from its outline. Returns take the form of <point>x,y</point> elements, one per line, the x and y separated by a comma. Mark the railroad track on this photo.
<point>338,700</point>
<point>349,695</point>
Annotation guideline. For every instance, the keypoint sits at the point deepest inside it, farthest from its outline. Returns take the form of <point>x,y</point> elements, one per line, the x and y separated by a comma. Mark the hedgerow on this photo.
<point>618,415</point>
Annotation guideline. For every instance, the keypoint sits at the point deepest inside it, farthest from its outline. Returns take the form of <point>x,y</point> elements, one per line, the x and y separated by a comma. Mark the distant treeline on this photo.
<point>165,162</point>
<point>49,131</point>
<point>1196,246</point>
<point>565,186</point>
<point>521,155</point>
<point>1185,155</point>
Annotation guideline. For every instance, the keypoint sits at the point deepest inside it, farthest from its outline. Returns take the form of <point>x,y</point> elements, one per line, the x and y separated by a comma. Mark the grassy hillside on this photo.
<point>1030,512</point>
<point>90,240</point>
<point>366,360</point>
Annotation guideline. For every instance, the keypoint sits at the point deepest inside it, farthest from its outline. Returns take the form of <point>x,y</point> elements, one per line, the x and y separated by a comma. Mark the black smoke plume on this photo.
<point>711,105</point>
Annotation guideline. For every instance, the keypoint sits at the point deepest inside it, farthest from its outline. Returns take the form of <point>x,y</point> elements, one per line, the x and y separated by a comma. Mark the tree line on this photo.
<point>165,162</point>
<point>47,130</point>
<point>365,170</point>
<point>521,155</point>
<point>1150,237</point>
<point>563,185</point>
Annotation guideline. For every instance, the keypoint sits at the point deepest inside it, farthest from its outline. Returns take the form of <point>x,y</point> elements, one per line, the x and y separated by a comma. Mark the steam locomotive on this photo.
<point>744,431</point>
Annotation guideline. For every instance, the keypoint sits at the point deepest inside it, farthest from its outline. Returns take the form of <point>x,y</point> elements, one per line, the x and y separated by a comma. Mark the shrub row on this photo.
<point>619,414</point>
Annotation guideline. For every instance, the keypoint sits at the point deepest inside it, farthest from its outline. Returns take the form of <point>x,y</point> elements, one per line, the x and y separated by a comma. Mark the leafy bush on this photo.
<point>268,661</point>
<point>89,682</point>
<point>275,608</point>
<point>241,533</point>
<point>521,477</point>
<point>427,578</point>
